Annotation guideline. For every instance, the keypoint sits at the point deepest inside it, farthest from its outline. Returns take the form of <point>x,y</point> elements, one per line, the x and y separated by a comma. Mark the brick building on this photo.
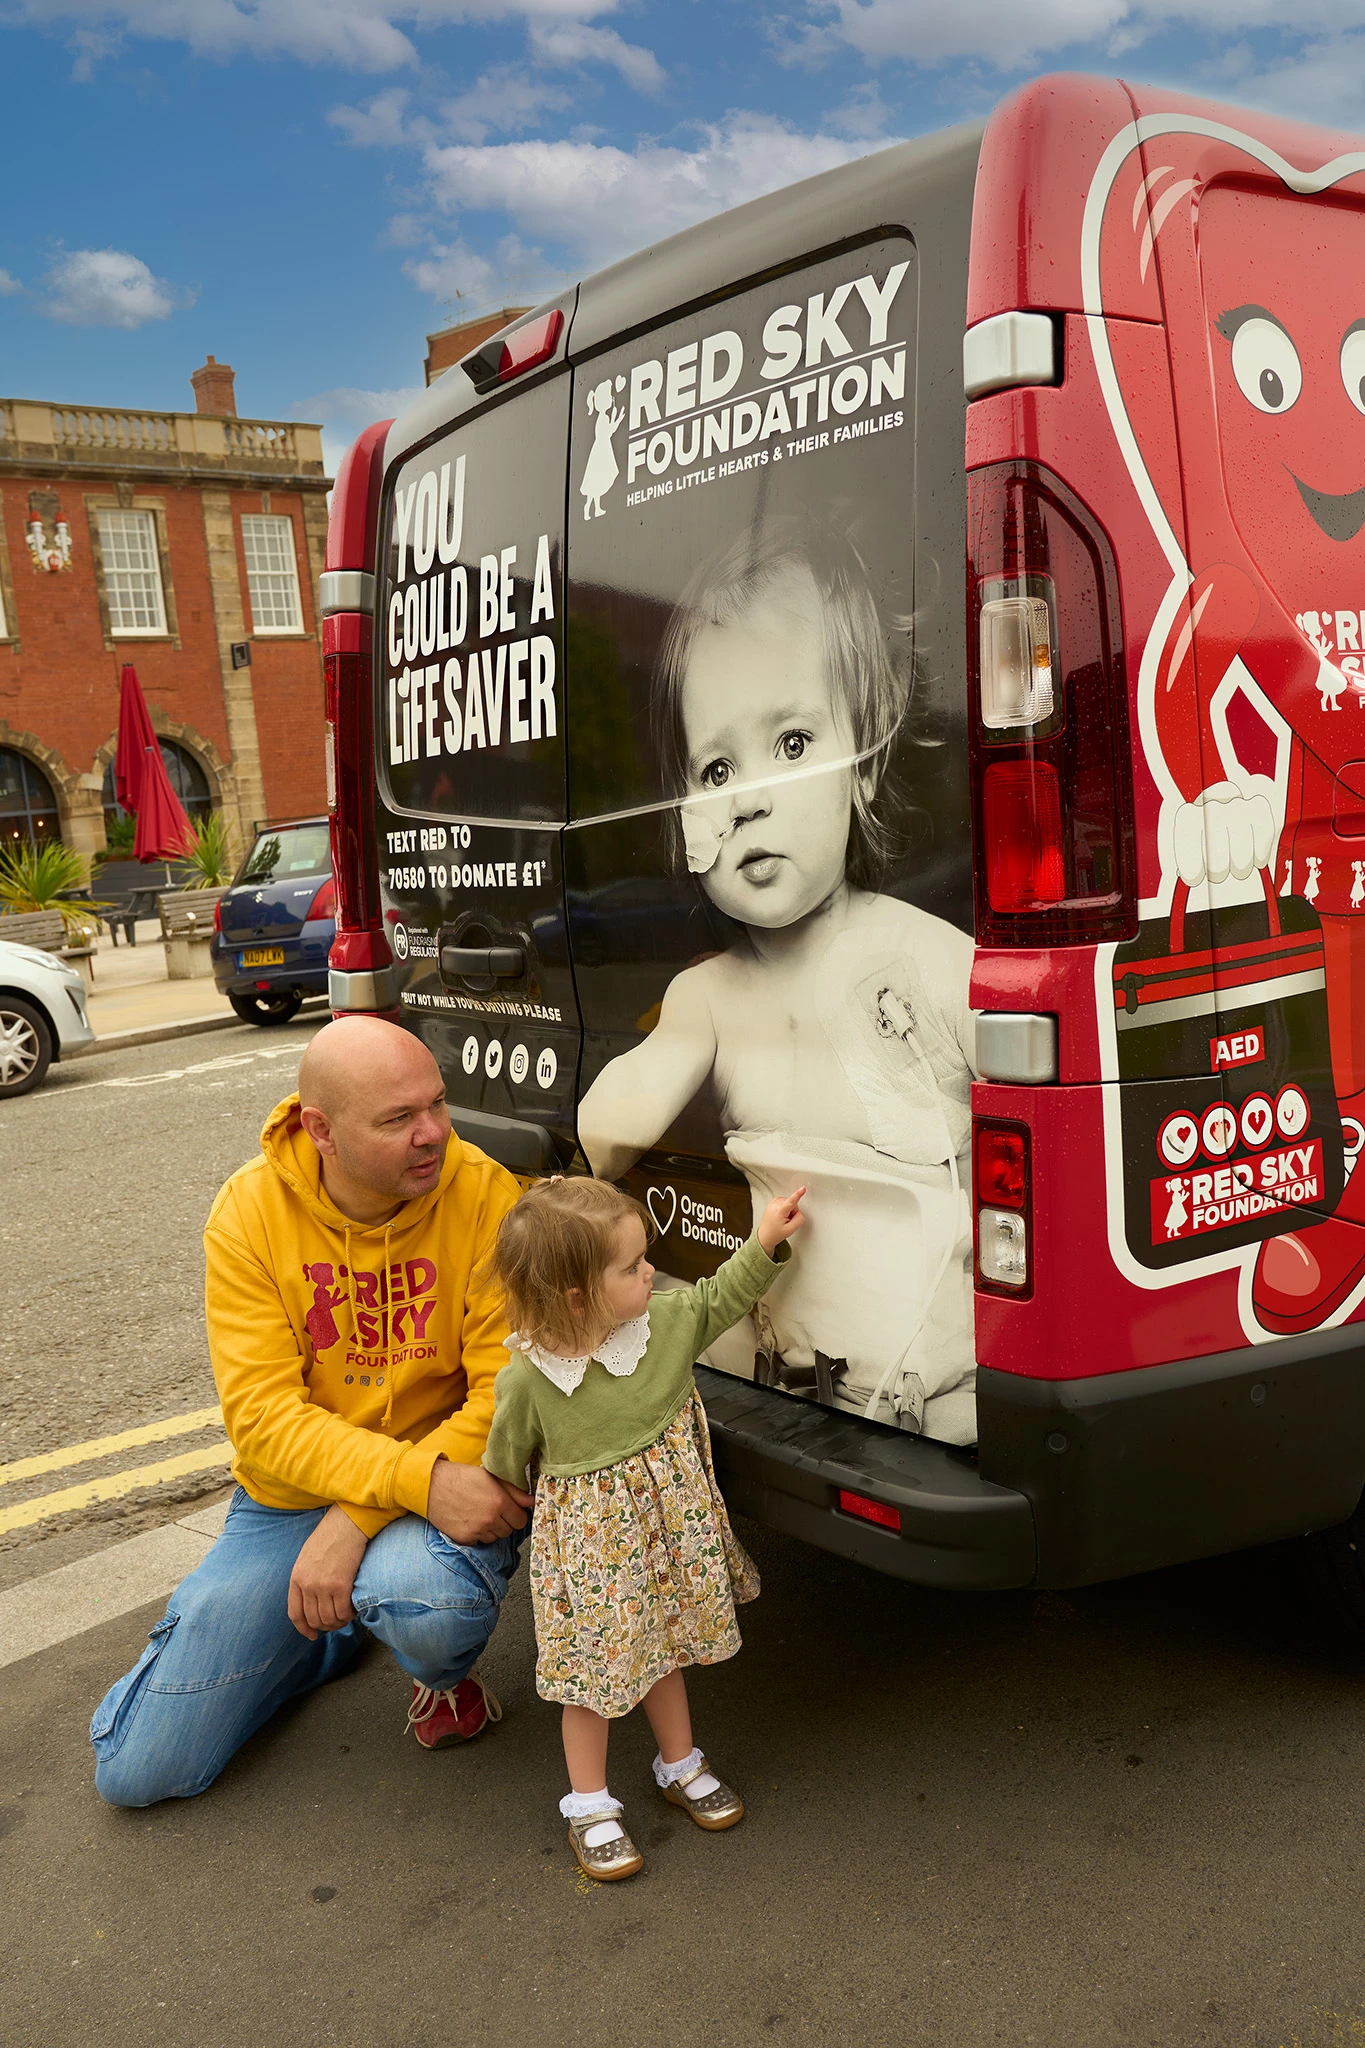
<point>190,545</point>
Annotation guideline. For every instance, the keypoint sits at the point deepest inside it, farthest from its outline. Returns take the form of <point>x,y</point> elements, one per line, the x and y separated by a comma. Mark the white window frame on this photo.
<point>4,623</point>
<point>140,582</point>
<point>272,573</point>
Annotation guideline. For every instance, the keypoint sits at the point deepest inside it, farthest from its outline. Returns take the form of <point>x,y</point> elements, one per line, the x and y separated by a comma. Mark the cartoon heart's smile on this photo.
<point>1340,515</point>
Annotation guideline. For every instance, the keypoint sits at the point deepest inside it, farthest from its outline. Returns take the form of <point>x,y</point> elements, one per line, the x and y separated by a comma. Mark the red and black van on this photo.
<point>870,693</point>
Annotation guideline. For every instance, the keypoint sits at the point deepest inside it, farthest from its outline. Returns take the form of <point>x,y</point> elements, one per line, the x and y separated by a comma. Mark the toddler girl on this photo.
<point>634,1569</point>
<point>835,1030</point>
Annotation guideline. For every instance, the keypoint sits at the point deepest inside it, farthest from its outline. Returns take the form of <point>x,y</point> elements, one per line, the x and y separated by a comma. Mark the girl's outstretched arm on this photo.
<point>634,1100</point>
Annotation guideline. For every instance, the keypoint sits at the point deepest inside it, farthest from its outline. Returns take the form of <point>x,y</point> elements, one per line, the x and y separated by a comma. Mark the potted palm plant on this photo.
<point>45,901</point>
<point>187,912</point>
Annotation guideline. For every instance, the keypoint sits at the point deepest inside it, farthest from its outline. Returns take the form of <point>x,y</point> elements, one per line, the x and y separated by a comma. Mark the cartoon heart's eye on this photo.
<point>1353,365</point>
<point>1266,366</point>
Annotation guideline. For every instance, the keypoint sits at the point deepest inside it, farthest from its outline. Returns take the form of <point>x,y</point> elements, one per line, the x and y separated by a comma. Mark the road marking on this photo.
<point>42,1612</point>
<point>265,1052</point>
<point>105,1446</point>
<point>112,1487</point>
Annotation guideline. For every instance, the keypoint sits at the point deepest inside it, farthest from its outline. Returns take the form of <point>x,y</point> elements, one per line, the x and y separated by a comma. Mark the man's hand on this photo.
<point>323,1575</point>
<point>469,1505</point>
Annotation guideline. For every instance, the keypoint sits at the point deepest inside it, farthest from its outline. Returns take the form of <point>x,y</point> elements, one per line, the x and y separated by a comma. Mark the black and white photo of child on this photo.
<point>834,1031</point>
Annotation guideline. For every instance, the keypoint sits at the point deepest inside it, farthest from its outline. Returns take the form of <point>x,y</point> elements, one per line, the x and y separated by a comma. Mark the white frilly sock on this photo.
<point>578,1805</point>
<point>669,1774</point>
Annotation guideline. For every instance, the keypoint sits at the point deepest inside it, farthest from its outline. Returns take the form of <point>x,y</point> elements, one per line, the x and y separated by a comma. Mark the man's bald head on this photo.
<point>372,1100</point>
<point>364,1056</point>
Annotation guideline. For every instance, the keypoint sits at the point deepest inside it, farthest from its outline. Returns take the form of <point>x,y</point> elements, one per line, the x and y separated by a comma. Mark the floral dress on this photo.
<point>635,1570</point>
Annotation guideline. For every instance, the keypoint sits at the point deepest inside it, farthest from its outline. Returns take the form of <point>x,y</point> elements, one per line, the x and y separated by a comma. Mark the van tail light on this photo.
<point>1002,1202</point>
<point>324,904</point>
<point>1051,779</point>
<point>218,917</point>
<point>516,351</point>
<point>1021,815</point>
<point>362,974</point>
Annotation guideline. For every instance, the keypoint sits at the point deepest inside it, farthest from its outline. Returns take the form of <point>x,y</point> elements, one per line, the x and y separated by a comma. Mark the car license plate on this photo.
<point>264,956</point>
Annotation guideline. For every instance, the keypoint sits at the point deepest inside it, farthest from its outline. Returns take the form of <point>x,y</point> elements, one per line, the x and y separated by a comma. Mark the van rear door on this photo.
<point>1257,283</point>
<point>470,747</point>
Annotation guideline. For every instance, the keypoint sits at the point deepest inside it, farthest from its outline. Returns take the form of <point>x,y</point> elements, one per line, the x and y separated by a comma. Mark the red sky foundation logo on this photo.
<point>1189,1204</point>
<point>392,1309</point>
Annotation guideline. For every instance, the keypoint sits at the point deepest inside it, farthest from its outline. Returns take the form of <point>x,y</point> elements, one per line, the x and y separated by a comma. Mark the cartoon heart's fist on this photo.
<point>1222,833</point>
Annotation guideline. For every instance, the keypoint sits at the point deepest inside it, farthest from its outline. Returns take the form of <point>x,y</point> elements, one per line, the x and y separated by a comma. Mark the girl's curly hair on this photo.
<point>558,1238</point>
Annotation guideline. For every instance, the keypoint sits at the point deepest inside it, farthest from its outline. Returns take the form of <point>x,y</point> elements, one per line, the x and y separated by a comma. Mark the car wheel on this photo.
<point>266,1009</point>
<point>25,1046</point>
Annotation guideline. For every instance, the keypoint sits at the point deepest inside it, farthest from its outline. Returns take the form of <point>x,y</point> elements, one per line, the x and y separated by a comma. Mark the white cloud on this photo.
<point>452,271</point>
<point>361,35</point>
<point>464,282</point>
<point>346,410</point>
<point>573,42</point>
<point>107,288</point>
<point>1324,82</point>
<point>599,202</point>
<point>380,124</point>
<point>926,32</point>
<point>8,284</point>
<point>505,100</point>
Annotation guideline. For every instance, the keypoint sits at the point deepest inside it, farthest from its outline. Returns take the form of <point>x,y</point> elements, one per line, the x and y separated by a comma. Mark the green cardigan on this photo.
<point>607,1418</point>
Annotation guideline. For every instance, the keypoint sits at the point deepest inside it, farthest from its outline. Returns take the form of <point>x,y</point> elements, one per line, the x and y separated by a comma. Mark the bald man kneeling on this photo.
<point>355,1344</point>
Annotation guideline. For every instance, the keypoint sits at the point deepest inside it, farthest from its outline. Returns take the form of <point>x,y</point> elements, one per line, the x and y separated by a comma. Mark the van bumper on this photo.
<point>784,1461</point>
<point>1129,1471</point>
<point>1074,1481</point>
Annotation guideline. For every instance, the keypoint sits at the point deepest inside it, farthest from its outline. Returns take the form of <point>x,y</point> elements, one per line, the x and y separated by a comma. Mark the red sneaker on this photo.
<point>456,1714</point>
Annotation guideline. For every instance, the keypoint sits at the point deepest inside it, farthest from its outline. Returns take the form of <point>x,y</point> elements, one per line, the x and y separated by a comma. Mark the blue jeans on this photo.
<point>225,1654</point>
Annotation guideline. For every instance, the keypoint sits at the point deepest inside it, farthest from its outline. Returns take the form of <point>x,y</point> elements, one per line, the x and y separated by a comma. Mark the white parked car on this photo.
<point>42,1015</point>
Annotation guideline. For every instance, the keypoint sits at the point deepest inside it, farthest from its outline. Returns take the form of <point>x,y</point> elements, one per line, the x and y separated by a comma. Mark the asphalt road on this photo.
<point>1129,1817</point>
<point>108,1171</point>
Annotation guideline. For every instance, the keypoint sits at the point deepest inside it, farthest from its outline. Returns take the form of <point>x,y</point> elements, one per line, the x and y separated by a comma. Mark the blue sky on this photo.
<point>306,188</point>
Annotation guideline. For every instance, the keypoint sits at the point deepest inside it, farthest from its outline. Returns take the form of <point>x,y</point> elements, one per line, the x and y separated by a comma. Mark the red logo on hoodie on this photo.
<point>320,1321</point>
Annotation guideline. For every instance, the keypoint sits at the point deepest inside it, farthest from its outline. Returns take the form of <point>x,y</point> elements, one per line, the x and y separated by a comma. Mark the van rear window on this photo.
<point>470,718</point>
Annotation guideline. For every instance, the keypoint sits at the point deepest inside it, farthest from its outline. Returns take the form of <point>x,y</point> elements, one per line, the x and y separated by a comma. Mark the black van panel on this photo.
<point>469,731</point>
<point>768,856</point>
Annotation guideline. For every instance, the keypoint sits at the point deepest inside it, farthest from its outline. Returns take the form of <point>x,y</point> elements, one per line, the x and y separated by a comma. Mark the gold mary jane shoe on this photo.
<point>609,1860</point>
<point>719,1809</point>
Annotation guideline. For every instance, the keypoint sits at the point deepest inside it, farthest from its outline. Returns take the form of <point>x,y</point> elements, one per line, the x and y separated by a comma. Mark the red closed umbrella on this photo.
<point>141,783</point>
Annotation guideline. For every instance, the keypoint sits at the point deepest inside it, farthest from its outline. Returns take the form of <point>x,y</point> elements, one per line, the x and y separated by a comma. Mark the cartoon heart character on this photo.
<point>1259,254</point>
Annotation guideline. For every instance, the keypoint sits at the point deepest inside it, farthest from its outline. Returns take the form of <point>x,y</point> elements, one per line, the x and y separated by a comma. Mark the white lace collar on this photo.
<point>620,1354</point>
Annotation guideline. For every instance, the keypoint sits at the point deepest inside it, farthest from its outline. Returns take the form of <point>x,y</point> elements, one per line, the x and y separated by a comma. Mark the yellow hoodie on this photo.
<point>350,1357</point>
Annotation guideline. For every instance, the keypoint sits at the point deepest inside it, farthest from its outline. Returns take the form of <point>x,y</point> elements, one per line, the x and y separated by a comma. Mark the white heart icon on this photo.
<point>661,1200</point>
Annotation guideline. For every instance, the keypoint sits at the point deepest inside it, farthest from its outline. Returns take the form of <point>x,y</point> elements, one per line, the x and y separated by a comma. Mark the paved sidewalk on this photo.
<point>134,1002</point>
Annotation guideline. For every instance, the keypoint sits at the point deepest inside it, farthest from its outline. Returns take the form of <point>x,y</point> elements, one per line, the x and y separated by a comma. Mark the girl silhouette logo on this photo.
<point>601,469</point>
<point>320,1322</point>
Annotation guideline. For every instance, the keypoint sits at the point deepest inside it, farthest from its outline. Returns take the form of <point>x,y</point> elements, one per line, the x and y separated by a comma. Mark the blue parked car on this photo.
<point>273,929</point>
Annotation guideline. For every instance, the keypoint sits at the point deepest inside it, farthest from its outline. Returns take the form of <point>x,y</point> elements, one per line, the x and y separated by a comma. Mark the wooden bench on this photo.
<point>186,928</point>
<point>45,930</point>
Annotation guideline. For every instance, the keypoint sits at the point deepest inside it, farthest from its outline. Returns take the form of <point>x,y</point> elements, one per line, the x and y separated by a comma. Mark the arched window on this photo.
<point>187,779</point>
<point>28,809</point>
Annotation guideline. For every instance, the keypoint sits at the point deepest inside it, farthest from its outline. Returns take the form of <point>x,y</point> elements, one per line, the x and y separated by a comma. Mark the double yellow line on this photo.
<point>114,1484</point>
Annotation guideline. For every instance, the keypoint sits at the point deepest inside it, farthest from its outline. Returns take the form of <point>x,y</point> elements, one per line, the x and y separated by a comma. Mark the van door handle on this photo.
<point>491,963</point>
